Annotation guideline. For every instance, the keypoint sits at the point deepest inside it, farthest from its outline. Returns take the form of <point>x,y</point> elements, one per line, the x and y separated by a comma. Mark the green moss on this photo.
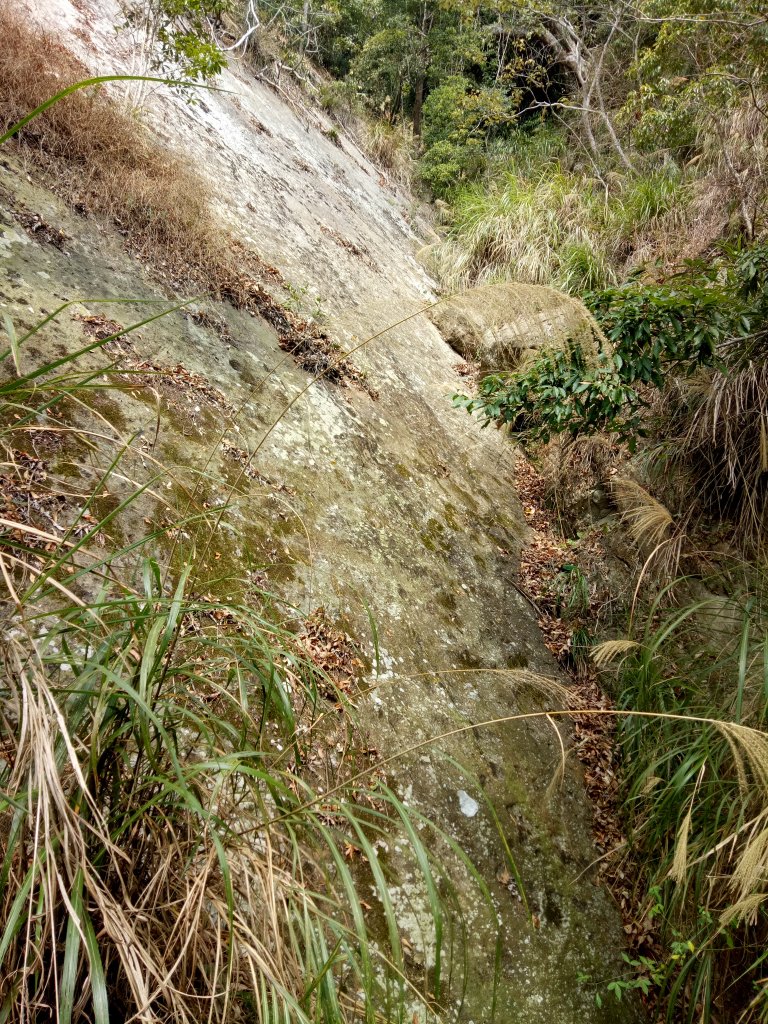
<point>110,410</point>
<point>446,600</point>
<point>450,514</point>
<point>432,536</point>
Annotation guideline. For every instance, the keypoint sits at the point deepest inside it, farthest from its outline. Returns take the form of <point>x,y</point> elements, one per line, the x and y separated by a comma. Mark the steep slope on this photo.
<point>377,498</point>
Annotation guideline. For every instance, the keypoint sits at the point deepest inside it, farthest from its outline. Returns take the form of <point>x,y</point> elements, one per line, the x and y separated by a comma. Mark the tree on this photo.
<point>421,43</point>
<point>702,85</point>
<point>177,36</point>
<point>459,121</point>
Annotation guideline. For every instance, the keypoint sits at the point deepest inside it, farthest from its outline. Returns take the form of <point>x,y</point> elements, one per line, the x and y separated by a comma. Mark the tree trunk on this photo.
<point>573,53</point>
<point>418,105</point>
<point>305,26</point>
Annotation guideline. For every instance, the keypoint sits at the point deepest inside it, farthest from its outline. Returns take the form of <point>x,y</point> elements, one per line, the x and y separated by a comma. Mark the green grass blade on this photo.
<point>99,994</point>
<point>71,952</point>
<point>10,330</point>
<point>744,646</point>
<point>435,903</point>
<point>86,84</point>
<point>374,638</point>
<point>16,916</point>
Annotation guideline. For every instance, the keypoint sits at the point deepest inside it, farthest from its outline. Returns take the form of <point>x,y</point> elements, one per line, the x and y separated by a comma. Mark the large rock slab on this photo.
<point>504,326</point>
<point>398,505</point>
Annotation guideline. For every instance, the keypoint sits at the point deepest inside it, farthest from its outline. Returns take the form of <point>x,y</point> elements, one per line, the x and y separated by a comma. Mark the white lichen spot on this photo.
<point>467,805</point>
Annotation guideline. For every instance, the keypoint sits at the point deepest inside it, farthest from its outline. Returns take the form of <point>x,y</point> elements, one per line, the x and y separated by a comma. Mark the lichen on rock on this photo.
<point>504,326</point>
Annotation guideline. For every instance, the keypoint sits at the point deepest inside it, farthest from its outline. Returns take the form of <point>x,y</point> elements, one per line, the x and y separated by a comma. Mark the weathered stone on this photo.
<point>401,506</point>
<point>505,326</point>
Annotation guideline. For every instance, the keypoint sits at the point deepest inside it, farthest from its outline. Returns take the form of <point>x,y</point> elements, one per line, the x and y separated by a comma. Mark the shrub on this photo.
<point>341,100</point>
<point>457,124</point>
<point>656,330</point>
<point>696,800</point>
<point>557,394</point>
<point>446,165</point>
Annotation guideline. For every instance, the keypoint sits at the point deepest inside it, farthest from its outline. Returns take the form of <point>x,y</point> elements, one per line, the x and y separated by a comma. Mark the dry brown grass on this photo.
<point>716,428</point>
<point>390,148</point>
<point>577,469</point>
<point>648,521</point>
<point>103,160</point>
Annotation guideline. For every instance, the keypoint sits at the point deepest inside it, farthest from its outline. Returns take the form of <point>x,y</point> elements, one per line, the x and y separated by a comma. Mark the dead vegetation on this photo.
<point>39,229</point>
<point>715,430</point>
<point>568,601</point>
<point>103,161</point>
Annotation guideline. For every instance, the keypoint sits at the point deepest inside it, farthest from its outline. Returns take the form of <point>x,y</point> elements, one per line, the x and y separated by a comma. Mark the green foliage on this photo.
<point>647,198</point>
<point>516,227</point>
<point>659,328</point>
<point>655,330</point>
<point>341,99</point>
<point>584,266</point>
<point>458,121</point>
<point>527,150</point>
<point>704,59</point>
<point>684,321</point>
<point>649,974</point>
<point>163,845</point>
<point>531,220</point>
<point>179,36</point>
<point>154,753</point>
<point>697,818</point>
<point>383,66</point>
<point>557,394</point>
<point>571,594</point>
<point>412,47</point>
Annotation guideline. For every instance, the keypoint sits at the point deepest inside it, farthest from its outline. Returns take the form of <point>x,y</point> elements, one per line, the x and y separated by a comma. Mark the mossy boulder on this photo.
<point>504,326</point>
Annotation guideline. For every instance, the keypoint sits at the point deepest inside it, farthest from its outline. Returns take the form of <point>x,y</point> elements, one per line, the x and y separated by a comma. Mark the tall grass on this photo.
<point>515,228</point>
<point>698,805</point>
<point>713,429</point>
<point>166,854</point>
<point>390,147</point>
<point>534,221</point>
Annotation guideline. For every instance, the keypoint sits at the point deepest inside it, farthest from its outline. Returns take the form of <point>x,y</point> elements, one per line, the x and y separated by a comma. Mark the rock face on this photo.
<point>504,326</point>
<point>398,505</point>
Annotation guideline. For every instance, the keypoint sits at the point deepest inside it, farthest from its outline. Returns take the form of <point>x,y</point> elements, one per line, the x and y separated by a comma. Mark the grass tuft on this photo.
<point>166,851</point>
<point>697,796</point>
<point>534,221</point>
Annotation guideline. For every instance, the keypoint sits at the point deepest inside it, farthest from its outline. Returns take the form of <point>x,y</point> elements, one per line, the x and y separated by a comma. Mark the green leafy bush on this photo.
<point>458,121</point>
<point>557,394</point>
<point>709,312</point>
